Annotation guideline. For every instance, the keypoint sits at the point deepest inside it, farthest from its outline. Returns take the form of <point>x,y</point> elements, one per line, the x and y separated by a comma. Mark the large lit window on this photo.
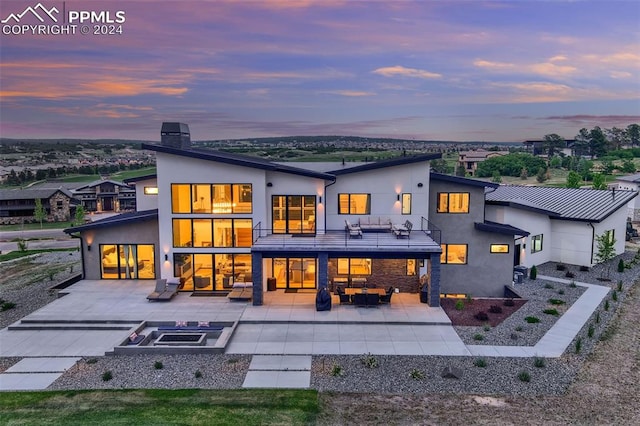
<point>207,198</point>
<point>536,243</point>
<point>212,232</point>
<point>150,190</point>
<point>453,202</point>
<point>294,214</point>
<point>499,248</point>
<point>406,203</point>
<point>455,254</point>
<point>353,266</point>
<point>127,261</point>
<point>354,203</point>
<point>206,271</point>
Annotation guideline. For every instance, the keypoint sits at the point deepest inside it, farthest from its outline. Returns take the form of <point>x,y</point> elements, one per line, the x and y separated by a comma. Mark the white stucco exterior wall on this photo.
<point>143,201</point>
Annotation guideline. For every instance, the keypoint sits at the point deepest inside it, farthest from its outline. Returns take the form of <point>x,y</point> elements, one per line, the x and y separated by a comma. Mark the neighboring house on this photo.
<point>18,205</point>
<point>470,159</point>
<point>562,222</point>
<point>224,218</point>
<point>536,147</point>
<point>631,183</point>
<point>106,196</point>
<point>477,254</point>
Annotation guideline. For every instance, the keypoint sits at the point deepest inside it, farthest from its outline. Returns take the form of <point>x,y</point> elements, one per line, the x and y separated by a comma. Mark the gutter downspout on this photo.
<point>593,239</point>
<point>325,203</point>
<point>81,252</point>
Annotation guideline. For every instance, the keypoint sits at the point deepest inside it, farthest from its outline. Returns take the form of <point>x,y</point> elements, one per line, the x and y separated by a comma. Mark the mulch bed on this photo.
<point>466,316</point>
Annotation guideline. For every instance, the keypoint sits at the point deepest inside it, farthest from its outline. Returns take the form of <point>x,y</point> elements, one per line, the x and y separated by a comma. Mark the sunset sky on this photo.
<point>440,70</point>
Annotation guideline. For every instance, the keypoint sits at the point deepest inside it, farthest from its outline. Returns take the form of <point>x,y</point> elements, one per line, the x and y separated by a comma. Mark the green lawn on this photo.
<point>32,226</point>
<point>160,407</point>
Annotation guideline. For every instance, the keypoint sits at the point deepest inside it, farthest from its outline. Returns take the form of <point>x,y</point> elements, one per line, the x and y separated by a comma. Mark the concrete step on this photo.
<point>70,326</point>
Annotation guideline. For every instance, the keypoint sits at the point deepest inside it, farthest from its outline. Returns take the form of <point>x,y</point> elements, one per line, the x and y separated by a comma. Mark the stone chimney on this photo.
<point>175,135</point>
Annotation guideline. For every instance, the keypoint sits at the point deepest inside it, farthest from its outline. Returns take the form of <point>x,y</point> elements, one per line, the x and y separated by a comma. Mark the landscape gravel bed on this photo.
<point>139,371</point>
<point>26,282</point>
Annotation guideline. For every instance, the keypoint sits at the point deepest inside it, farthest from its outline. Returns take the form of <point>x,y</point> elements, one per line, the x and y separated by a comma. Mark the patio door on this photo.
<point>293,214</point>
<point>298,273</point>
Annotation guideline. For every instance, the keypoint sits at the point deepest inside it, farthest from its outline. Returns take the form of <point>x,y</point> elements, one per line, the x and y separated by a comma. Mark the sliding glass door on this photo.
<point>294,214</point>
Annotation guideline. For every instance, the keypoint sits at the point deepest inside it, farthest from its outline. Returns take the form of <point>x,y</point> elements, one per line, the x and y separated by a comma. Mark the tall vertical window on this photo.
<point>453,202</point>
<point>536,243</point>
<point>412,267</point>
<point>354,203</point>
<point>406,203</point>
<point>181,198</point>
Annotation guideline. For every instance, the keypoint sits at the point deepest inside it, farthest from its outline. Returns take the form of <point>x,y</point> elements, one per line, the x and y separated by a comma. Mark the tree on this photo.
<point>79,217</point>
<point>606,251</point>
<point>551,143</point>
<point>524,174</point>
<point>582,139</point>
<point>460,171</point>
<point>597,142</point>
<point>616,137</point>
<point>598,181</point>
<point>633,133</point>
<point>39,212</point>
<point>628,166</point>
<point>541,176</point>
<point>440,166</point>
<point>496,178</point>
<point>573,180</point>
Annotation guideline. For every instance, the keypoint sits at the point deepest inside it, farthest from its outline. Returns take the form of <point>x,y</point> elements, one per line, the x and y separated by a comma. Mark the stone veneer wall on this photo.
<point>385,273</point>
<point>56,214</point>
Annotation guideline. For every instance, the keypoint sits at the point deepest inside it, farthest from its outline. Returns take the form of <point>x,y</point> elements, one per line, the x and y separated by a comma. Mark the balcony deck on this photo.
<point>339,240</point>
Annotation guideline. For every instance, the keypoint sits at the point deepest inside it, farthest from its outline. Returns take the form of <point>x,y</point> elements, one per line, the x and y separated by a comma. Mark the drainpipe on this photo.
<point>325,203</point>
<point>593,239</point>
<point>81,252</point>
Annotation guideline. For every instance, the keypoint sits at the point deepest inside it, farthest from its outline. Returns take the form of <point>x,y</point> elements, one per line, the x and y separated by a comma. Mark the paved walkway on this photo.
<point>288,324</point>
<point>278,371</point>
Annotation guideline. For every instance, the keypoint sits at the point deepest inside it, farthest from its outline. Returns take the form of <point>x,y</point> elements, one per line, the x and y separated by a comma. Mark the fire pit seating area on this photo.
<point>374,224</point>
<point>190,326</point>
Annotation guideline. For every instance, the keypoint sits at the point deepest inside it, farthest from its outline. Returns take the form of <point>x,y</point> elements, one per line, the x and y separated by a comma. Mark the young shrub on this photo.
<point>572,284</point>
<point>553,312</point>
<point>533,272</point>
<point>370,361</point>
<point>570,274</point>
<point>561,292</point>
<point>532,320</point>
<point>524,376</point>
<point>519,328</point>
<point>198,374</point>
<point>597,317</point>
<point>478,337</point>
<point>560,267</point>
<point>557,301</point>
<point>468,298</point>
<point>480,362</point>
<point>495,309</point>
<point>337,371</point>
<point>486,327</point>
<point>606,305</point>
<point>578,345</point>
<point>158,365</point>
<point>548,285</point>
<point>619,285</point>
<point>107,375</point>
<point>621,265</point>
<point>6,306</point>
<point>539,362</point>
<point>416,374</point>
<point>481,316</point>
<point>459,305</point>
<point>614,296</point>
<point>590,331</point>
<point>509,302</point>
<point>52,276</point>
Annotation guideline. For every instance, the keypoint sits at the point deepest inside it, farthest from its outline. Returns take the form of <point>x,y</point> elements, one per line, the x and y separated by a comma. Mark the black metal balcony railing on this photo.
<point>434,231</point>
<point>417,239</point>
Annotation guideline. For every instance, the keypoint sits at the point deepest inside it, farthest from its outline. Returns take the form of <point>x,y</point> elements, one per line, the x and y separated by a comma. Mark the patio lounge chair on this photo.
<point>172,290</point>
<point>354,230</point>
<point>161,286</point>
<point>386,299</point>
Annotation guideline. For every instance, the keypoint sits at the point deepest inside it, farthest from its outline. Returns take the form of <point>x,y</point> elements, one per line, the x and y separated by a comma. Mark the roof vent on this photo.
<point>175,135</point>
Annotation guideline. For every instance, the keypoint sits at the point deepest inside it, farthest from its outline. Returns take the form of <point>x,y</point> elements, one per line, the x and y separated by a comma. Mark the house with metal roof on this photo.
<point>18,205</point>
<point>562,222</point>
<point>225,219</point>
<point>631,183</point>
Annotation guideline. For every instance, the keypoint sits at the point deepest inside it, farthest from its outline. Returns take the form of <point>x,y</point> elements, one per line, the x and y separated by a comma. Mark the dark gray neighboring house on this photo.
<point>477,255</point>
<point>18,205</point>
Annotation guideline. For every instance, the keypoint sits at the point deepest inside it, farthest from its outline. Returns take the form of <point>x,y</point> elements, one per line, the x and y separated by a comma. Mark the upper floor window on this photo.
<point>150,190</point>
<point>354,203</point>
<point>453,202</point>
<point>536,243</point>
<point>406,203</point>
<point>207,198</point>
